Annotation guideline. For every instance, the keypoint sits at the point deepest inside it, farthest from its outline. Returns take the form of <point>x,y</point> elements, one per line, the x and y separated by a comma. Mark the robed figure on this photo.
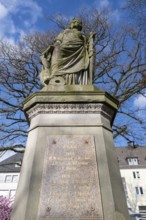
<point>69,61</point>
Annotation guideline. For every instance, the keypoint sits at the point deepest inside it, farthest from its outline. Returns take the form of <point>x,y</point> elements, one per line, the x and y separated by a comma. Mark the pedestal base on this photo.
<point>70,166</point>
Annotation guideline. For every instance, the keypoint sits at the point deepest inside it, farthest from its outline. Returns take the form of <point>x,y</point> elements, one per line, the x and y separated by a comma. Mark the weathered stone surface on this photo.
<point>75,95</point>
<point>69,88</point>
<point>70,60</point>
<point>53,116</point>
<point>70,183</point>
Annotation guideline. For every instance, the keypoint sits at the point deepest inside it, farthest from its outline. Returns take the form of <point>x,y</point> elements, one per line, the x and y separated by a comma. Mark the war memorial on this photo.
<point>70,169</point>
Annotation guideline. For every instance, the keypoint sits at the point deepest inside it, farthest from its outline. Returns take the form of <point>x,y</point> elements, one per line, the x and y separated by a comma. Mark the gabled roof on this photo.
<point>12,163</point>
<point>123,153</point>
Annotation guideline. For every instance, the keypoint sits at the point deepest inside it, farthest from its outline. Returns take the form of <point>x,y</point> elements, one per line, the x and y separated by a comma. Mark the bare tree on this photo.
<point>20,68</point>
<point>124,77</point>
<point>137,13</point>
<point>120,70</point>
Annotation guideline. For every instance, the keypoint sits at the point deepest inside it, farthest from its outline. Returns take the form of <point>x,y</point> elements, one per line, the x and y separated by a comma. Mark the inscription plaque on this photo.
<point>70,185</point>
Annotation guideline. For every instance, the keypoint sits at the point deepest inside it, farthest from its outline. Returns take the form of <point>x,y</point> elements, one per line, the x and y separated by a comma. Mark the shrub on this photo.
<point>5,208</point>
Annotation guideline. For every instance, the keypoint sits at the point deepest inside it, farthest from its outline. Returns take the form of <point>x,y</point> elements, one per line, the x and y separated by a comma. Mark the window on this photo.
<point>139,190</point>
<point>136,174</point>
<point>142,211</point>
<point>11,178</point>
<point>18,163</point>
<point>8,179</point>
<point>15,178</point>
<point>132,161</point>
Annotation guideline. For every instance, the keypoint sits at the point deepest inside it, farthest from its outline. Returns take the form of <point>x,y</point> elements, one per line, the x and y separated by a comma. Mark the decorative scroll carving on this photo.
<point>67,108</point>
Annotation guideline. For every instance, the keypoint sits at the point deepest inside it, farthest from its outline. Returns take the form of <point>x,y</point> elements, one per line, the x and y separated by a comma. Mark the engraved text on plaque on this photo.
<point>70,185</point>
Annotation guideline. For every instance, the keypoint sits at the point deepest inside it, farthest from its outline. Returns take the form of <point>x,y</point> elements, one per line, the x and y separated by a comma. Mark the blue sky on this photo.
<point>18,17</point>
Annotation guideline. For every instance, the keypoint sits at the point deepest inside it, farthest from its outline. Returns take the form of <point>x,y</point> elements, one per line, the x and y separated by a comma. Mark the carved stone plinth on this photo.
<point>70,168</point>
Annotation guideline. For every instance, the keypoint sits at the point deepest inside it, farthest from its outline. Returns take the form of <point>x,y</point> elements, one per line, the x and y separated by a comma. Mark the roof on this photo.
<point>9,164</point>
<point>124,153</point>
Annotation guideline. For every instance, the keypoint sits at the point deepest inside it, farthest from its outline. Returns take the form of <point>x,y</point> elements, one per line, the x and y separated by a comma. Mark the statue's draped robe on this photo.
<point>70,57</point>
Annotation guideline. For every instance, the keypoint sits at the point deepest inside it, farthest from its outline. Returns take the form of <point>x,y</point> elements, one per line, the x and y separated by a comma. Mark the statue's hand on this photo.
<point>45,76</point>
<point>92,34</point>
<point>46,80</point>
<point>57,43</point>
<point>47,51</point>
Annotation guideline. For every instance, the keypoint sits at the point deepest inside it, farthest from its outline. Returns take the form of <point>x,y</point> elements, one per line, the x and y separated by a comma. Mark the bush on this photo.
<point>5,208</point>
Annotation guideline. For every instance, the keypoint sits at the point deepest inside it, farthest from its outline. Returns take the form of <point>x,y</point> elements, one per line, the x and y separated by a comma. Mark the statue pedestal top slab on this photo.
<point>71,94</point>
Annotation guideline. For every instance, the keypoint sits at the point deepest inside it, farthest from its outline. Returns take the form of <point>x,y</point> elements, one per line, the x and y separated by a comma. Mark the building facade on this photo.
<point>9,175</point>
<point>132,163</point>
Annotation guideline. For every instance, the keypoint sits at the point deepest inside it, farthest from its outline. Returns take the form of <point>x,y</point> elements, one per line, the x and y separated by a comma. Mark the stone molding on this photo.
<point>74,108</point>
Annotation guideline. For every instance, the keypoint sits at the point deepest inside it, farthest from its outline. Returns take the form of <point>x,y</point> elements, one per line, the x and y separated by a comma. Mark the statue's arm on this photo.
<point>91,56</point>
<point>91,43</point>
<point>46,55</point>
<point>47,51</point>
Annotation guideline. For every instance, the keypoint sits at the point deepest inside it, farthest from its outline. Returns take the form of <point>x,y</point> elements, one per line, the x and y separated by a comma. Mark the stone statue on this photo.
<point>69,61</point>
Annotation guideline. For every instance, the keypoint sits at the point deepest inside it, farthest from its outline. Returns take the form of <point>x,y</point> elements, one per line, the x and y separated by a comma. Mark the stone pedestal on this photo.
<point>70,167</point>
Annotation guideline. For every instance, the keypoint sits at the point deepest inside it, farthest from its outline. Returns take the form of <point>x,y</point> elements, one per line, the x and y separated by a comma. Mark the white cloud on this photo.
<point>6,25</point>
<point>3,11</point>
<point>100,4</point>
<point>17,17</point>
<point>140,101</point>
<point>103,3</point>
<point>115,15</point>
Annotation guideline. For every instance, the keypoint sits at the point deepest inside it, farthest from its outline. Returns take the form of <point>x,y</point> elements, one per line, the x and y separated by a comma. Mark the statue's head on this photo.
<point>75,23</point>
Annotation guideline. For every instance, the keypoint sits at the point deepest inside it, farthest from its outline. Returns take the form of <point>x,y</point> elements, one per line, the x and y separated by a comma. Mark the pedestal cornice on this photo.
<point>87,100</point>
<point>70,97</point>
